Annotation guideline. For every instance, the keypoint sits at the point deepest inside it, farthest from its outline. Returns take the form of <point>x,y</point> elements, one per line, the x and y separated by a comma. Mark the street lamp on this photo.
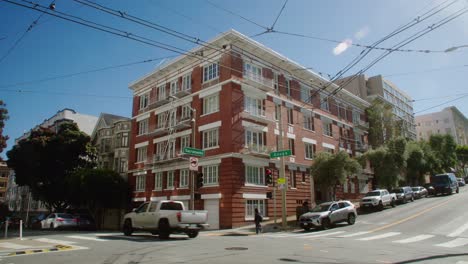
<point>455,48</point>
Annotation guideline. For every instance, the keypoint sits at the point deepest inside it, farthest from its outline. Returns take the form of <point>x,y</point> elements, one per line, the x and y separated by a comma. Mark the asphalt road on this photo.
<point>429,230</point>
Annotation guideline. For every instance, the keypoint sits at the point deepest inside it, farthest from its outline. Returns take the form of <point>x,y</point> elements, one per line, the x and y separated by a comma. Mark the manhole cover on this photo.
<point>236,248</point>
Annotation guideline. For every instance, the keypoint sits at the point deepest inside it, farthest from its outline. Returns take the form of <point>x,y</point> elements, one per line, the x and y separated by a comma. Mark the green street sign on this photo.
<point>194,152</point>
<point>281,153</point>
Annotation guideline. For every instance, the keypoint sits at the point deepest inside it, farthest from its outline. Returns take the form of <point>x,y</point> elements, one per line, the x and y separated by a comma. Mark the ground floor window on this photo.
<point>140,183</point>
<point>250,206</point>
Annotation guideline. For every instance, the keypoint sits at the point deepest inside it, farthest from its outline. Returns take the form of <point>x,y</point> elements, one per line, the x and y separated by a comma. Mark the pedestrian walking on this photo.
<point>258,219</point>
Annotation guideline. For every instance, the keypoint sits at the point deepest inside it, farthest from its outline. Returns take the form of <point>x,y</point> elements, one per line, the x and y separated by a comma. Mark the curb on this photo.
<point>35,251</point>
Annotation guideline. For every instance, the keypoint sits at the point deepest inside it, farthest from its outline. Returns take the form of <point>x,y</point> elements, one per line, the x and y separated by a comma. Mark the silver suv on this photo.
<point>326,214</point>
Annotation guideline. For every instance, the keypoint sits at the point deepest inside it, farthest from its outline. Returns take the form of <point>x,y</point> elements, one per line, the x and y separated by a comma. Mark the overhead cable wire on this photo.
<point>425,71</point>
<point>237,15</point>
<point>67,94</point>
<point>277,17</point>
<point>446,102</point>
<point>63,76</point>
<point>438,97</point>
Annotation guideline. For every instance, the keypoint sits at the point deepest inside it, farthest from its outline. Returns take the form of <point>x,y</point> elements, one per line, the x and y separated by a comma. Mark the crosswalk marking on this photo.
<point>413,239</point>
<point>454,243</point>
<point>355,234</point>
<point>325,234</point>
<point>12,245</point>
<point>458,231</point>
<point>54,241</point>
<point>389,234</point>
<point>87,238</point>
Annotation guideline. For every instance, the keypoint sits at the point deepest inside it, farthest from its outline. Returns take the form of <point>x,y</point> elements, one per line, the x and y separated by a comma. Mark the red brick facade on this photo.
<point>233,154</point>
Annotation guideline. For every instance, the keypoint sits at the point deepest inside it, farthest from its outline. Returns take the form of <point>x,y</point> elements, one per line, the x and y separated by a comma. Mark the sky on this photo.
<point>58,64</point>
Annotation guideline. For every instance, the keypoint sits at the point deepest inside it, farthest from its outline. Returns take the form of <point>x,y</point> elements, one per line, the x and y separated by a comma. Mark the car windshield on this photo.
<point>373,194</point>
<point>397,190</point>
<point>415,189</point>
<point>321,208</point>
<point>440,180</point>
<point>67,216</point>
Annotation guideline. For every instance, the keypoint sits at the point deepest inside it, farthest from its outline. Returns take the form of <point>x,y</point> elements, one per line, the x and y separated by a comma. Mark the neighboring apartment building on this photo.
<point>19,197</point>
<point>111,137</point>
<point>232,99</point>
<point>376,87</point>
<point>448,121</point>
<point>4,174</point>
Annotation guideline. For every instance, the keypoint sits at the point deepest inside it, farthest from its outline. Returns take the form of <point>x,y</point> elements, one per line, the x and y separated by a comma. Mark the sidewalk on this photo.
<point>15,246</point>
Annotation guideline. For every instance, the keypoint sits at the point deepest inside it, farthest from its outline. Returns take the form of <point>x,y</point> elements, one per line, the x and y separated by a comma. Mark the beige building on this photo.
<point>376,87</point>
<point>110,136</point>
<point>448,121</point>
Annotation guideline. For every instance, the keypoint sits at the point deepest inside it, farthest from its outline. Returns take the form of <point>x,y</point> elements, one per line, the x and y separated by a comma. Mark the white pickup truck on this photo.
<point>163,218</point>
<point>378,199</point>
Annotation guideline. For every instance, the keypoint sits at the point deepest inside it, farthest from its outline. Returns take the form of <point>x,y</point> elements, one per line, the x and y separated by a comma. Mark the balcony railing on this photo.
<point>156,102</point>
<point>161,158</point>
<point>362,124</point>
<point>181,92</point>
<point>255,79</point>
<point>256,149</point>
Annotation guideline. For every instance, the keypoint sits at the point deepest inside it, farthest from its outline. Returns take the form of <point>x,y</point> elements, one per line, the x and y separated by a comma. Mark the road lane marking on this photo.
<point>385,235</point>
<point>458,231</point>
<point>413,239</point>
<point>356,234</point>
<point>325,234</point>
<point>88,238</point>
<point>454,243</point>
<point>12,245</point>
<point>411,217</point>
<point>54,241</point>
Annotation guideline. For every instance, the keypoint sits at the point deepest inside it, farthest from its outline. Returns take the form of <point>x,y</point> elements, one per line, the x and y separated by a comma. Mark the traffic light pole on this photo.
<point>192,187</point>
<point>281,169</point>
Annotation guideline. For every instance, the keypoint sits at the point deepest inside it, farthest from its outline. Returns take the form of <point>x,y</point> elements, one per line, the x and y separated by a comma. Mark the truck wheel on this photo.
<point>351,219</point>
<point>192,234</point>
<point>393,203</point>
<point>306,228</point>
<point>380,206</point>
<point>458,190</point>
<point>127,228</point>
<point>164,230</point>
<point>326,224</point>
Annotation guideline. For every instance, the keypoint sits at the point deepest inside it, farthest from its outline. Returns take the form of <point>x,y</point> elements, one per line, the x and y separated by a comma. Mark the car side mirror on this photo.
<point>134,210</point>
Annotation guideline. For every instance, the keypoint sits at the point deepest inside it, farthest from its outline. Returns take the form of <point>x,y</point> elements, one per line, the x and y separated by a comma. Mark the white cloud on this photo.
<point>342,47</point>
<point>362,33</point>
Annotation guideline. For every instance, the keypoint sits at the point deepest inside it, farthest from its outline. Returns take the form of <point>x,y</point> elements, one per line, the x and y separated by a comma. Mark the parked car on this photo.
<point>430,189</point>
<point>403,194</point>
<point>85,222</point>
<point>419,192</point>
<point>326,214</point>
<point>445,183</point>
<point>163,218</point>
<point>59,221</point>
<point>461,182</point>
<point>378,199</point>
<point>36,222</point>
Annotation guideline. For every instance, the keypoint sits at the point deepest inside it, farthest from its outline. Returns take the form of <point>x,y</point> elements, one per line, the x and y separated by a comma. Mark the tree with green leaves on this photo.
<point>417,165</point>
<point>444,148</point>
<point>45,160</point>
<point>462,157</point>
<point>3,118</point>
<point>382,126</point>
<point>331,169</point>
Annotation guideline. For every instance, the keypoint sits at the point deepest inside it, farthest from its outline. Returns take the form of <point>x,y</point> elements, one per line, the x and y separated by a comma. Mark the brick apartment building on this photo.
<point>227,92</point>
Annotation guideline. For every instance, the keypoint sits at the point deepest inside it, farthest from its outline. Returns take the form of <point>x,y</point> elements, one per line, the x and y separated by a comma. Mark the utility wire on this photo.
<point>425,71</point>
<point>281,11</point>
<point>439,97</point>
<point>429,108</point>
<point>237,15</point>
<point>79,73</point>
<point>67,94</point>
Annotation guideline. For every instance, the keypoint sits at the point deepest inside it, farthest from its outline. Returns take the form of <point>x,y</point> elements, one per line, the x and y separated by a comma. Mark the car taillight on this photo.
<point>179,216</point>
<point>59,219</point>
<point>75,220</point>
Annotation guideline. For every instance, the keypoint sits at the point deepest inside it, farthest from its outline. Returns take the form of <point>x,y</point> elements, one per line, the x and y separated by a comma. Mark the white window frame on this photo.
<point>162,92</point>
<point>161,120</point>
<point>170,180</point>
<point>251,204</point>
<point>186,112</point>
<point>324,103</point>
<point>172,118</point>
<point>309,122</point>
<point>144,101</point>
<point>171,149</point>
<point>140,183</point>
<point>184,178</point>
<point>211,138</point>
<point>252,72</point>
<point>305,94</point>
<point>254,175</point>
<point>211,175</point>
<point>159,148</point>
<point>187,82</point>
<point>254,106</point>
<point>210,72</point>
<point>327,128</point>
<point>174,87</point>
<point>143,127</point>
<point>288,86</point>
<point>356,117</point>
<point>254,140</point>
<point>142,154</point>
<point>158,181</point>
<point>124,140</point>
<point>310,150</point>
<point>211,104</point>
<point>184,142</point>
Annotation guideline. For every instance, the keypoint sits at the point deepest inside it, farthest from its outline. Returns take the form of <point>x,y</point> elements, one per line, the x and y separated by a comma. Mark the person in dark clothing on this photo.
<point>258,219</point>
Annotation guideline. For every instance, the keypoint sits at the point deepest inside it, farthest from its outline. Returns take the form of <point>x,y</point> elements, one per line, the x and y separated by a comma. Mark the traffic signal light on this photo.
<point>199,180</point>
<point>269,195</point>
<point>268,176</point>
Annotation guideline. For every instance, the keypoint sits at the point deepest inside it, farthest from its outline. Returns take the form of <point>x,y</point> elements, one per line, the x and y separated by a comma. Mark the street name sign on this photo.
<point>194,152</point>
<point>281,153</point>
